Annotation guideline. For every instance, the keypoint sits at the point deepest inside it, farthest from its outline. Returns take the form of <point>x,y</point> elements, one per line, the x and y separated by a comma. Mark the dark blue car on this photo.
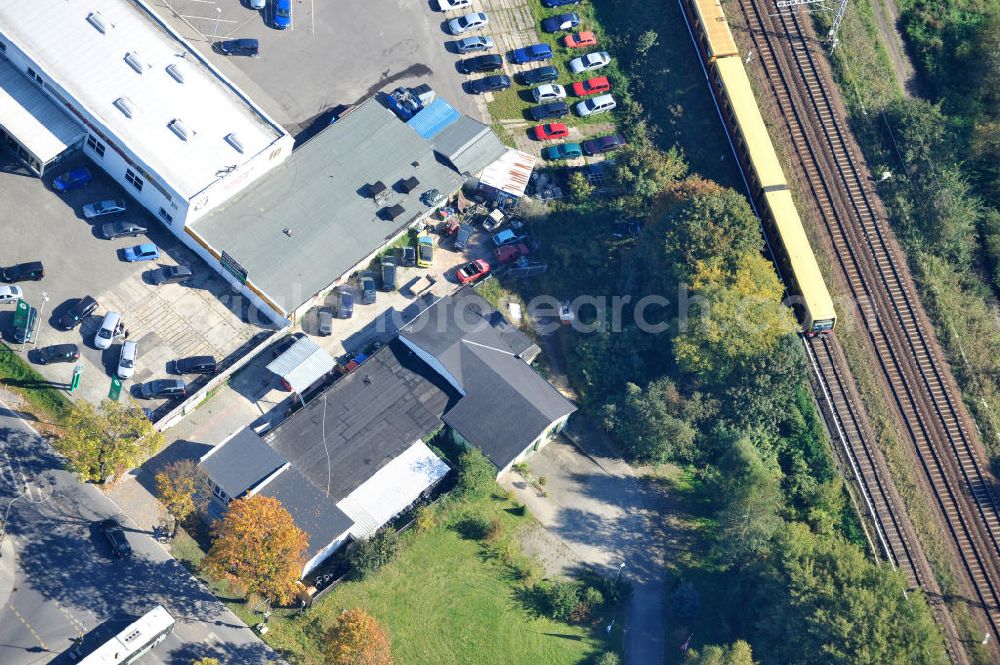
<point>558,3</point>
<point>72,180</point>
<point>561,22</point>
<point>533,53</point>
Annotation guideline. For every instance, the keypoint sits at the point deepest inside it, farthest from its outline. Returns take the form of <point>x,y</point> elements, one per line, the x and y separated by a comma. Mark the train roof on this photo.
<point>717,33</point>
<point>800,255</point>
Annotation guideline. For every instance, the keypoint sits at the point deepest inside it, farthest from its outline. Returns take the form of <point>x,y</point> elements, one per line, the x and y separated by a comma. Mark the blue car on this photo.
<point>507,237</point>
<point>283,14</point>
<point>558,3</point>
<point>72,180</point>
<point>533,53</point>
<point>144,252</point>
<point>561,22</point>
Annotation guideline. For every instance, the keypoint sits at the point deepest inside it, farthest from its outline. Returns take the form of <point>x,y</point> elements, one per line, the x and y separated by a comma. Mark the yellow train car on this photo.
<point>713,30</point>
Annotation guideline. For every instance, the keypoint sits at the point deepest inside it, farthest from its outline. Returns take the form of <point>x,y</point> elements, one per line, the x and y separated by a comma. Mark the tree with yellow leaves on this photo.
<point>182,488</point>
<point>358,639</point>
<point>108,439</point>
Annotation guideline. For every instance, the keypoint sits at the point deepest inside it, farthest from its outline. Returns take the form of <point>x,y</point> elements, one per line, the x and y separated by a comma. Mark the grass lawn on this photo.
<point>18,376</point>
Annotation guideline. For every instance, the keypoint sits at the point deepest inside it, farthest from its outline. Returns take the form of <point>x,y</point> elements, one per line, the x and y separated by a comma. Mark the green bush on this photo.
<point>476,474</point>
<point>371,554</point>
<point>561,599</point>
<point>609,658</point>
<point>494,531</point>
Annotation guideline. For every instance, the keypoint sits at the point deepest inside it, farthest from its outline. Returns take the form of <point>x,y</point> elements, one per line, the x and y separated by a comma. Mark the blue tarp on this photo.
<point>431,120</point>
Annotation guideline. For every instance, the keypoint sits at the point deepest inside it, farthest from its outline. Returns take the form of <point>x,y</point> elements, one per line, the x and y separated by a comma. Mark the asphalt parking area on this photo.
<point>168,322</point>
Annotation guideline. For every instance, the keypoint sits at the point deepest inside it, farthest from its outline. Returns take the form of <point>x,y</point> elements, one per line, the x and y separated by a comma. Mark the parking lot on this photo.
<point>167,322</point>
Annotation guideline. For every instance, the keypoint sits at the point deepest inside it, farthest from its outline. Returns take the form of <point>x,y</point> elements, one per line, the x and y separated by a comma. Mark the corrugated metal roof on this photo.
<point>31,117</point>
<point>302,364</point>
<point>432,119</point>
<point>469,145</point>
<point>511,173</point>
<point>241,462</point>
<point>129,58</point>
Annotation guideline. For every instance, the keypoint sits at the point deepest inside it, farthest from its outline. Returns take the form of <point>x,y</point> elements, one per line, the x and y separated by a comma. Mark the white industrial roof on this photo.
<point>33,118</point>
<point>302,364</point>
<point>392,489</point>
<point>95,51</point>
<point>510,173</point>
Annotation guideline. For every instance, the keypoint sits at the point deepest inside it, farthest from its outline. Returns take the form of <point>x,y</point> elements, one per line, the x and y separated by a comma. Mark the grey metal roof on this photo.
<point>469,145</point>
<point>302,364</point>
<point>241,462</point>
<point>320,196</point>
<point>34,119</point>
<point>315,514</point>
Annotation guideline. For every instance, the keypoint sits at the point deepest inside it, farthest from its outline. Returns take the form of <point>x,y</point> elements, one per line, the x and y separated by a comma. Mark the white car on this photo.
<point>109,329</point>
<point>9,294</point>
<point>126,362</point>
<point>589,62</point>
<point>549,92</point>
<point>448,5</point>
<point>102,208</point>
<point>595,105</point>
<point>258,4</point>
<point>463,24</point>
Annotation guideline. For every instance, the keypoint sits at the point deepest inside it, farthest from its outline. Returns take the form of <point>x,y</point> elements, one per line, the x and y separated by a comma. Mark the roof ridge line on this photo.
<point>487,346</point>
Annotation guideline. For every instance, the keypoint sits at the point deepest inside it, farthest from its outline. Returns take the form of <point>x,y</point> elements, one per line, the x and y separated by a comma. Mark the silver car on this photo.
<point>126,362</point>
<point>589,62</point>
<point>548,92</point>
<point>10,294</point>
<point>102,208</point>
<point>474,43</point>
<point>463,24</point>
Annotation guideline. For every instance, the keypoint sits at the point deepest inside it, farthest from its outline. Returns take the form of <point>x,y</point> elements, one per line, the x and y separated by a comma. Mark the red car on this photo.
<point>509,253</point>
<point>551,131</point>
<point>472,271</point>
<point>580,40</point>
<point>594,86</point>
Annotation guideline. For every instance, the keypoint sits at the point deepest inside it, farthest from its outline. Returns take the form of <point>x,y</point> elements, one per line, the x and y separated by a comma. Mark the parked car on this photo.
<point>201,364</point>
<point>603,144</point>
<point>115,534</point>
<point>586,63</point>
<point>285,343</point>
<point>594,86</point>
<point>324,321</point>
<point>71,180</point>
<point>558,3</point>
<point>595,105</point>
<point>481,63</point>
<point>507,237</point>
<point>425,251</point>
<point>58,353</point>
<point>345,302</point>
<point>508,253</point>
<point>494,220</point>
<point>126,361</point>
<point>147,251</point>
<point>110,327</point>
<point>448,226</point>
<point>163,388</point>
<point>388,274</point>
<point>551,131</point>
<point>23,272</point>
<point>533,53</point>
<point>112,230</point>
<point>170,275</point>
<point>472,271</point>
<point>548,92</point>
<point>80,310</point>
<point>489,84</point>
<point>463,24</point>
<point>539,75</point>
<point>366,281</point>
<point>629,228</point>
<point>432,198</point>
<point>10,294</point>
<point>257,4</point>
<point>248,47</point>
<point>584,39</point>
<point>562,151</point>
<point>448,5</point>
<point>550,110</point>
<point>102,208</point>
<point>561,22</point>
<point>473,44</point>
<point>463,236</point>
<point>282,14</point>
<point>26,332</point>
<point>407,256</point>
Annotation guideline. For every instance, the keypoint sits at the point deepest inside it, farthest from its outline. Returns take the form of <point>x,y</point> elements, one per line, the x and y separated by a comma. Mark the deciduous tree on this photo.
<point>205,661</point>
<point>737,653</point>
<point>358,639</point>
<point>107,439</point>
<point>654,424</point>
<point>182,488</point>
<point>258,547</point>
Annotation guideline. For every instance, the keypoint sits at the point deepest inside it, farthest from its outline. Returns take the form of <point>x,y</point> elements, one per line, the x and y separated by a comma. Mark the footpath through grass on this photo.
<point>16,375</point>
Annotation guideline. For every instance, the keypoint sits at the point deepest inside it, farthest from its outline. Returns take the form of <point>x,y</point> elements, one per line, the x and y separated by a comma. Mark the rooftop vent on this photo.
<point>407,185</point>
<point>176,73</point>
<point>95,19</point>
<point>234,140</point>
<point>135,62</point>
<point>124,105</point>
<point>179,128</point>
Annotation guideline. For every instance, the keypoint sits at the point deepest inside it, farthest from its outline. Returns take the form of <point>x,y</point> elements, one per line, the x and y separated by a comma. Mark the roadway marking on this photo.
<point>27,625</point>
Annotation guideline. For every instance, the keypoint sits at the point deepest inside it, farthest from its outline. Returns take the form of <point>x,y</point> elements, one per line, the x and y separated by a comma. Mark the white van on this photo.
<point>109,327</point>
<point>595,105</point>
<point>126,363</point>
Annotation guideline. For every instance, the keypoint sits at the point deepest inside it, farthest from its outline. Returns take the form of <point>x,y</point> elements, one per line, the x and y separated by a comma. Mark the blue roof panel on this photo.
<point>433,118</point>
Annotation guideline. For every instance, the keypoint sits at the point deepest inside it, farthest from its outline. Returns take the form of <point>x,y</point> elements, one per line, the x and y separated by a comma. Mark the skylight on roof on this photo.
<point>179,128</point>
<point>135,62</point>
<point>124,104</point>
<point>95,19</point>
<point>176,72</point>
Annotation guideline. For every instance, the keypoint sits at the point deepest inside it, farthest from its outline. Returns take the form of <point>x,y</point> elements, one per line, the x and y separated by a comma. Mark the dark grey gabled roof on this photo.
<point>319,517</point>
<point>468,145</point>
<point>241,462</point>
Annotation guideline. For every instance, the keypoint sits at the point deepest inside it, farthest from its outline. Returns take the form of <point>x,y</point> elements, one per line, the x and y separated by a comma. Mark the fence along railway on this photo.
<point>934,420</point>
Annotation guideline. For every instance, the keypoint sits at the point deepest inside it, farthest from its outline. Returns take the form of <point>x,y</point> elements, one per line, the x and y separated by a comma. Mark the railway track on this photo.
<point>933,417</point>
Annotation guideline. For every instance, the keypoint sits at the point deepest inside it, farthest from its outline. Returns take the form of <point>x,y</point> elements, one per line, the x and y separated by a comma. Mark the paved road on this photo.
<point>66,581</point>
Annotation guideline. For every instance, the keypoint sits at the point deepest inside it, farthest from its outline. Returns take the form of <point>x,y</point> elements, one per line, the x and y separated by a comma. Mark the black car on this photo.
<point>26,333</point>
<point>550,110</point>
<point>407,256</point>
<point>112,230</point>
<point>22,272</point>
<point>160,388</point>
<point>170,275</point>
<point>83,308</point>
<point>194,365</point>
<point>115,534</point>
<point>285,343</point>
<point>250,47</point>
<point>59,353</point>
<point>539,75</point>
<point>489,84</point>
<point>389,273</point>
<point>366,282</point>
<point>481,63</point>
<point>601,144</point>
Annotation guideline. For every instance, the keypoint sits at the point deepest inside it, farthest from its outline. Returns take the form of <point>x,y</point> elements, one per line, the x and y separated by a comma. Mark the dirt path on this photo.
<point>887,17</point>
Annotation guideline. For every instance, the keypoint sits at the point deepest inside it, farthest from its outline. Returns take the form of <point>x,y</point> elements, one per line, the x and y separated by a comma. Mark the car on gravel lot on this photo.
<point>366,283</point>
<point>388,269</point>
<point>102,208</point>
<point>112,230</point>
<point>602,144</point>
<point>553,130</point>
<point>595,86</point>
<point>508,253</point>
<point>580,40</point>
<point>58,353</point>
<point>83,308</point>
<point>345,302</point>
<point>533,53</point>
<point>463,236</point>
<point>163,388</point>
<point>115,534</point>
<point>562,151</point>
<point>147,251</point>
<point>489,84</point>
<point>472,271</point>
<point>23,272</point>
<point>407,256</point>
<point>548,92</point>
<point>324,321</point>
<point>595,105</point>
<point>72,180</point>
<point>551,110</point>
<point>425,251</point>
<point>591,61</point>
<point>10,294</point>
<point>507,237</point>
<point>481,63</point>
<point>473,44</point>
<point>449,5</point>
<point>469,22</point>
<point>194,365</point>
<point>126,361</point>
<point>170,275</point>
<point>539,75</point>
<point>248,47</point>
<point>561,22</point>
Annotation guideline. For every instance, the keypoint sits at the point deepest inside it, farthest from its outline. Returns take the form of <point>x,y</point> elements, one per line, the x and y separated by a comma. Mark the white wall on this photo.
<point>434,363</point>
<point>325,552</point>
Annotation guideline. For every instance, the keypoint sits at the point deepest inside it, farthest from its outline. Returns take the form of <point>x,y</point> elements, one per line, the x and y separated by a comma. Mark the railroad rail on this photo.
<point>933,418</point>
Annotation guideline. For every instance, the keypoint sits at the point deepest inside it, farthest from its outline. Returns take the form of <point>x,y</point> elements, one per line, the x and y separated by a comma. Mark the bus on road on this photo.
<point>135,641</point>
